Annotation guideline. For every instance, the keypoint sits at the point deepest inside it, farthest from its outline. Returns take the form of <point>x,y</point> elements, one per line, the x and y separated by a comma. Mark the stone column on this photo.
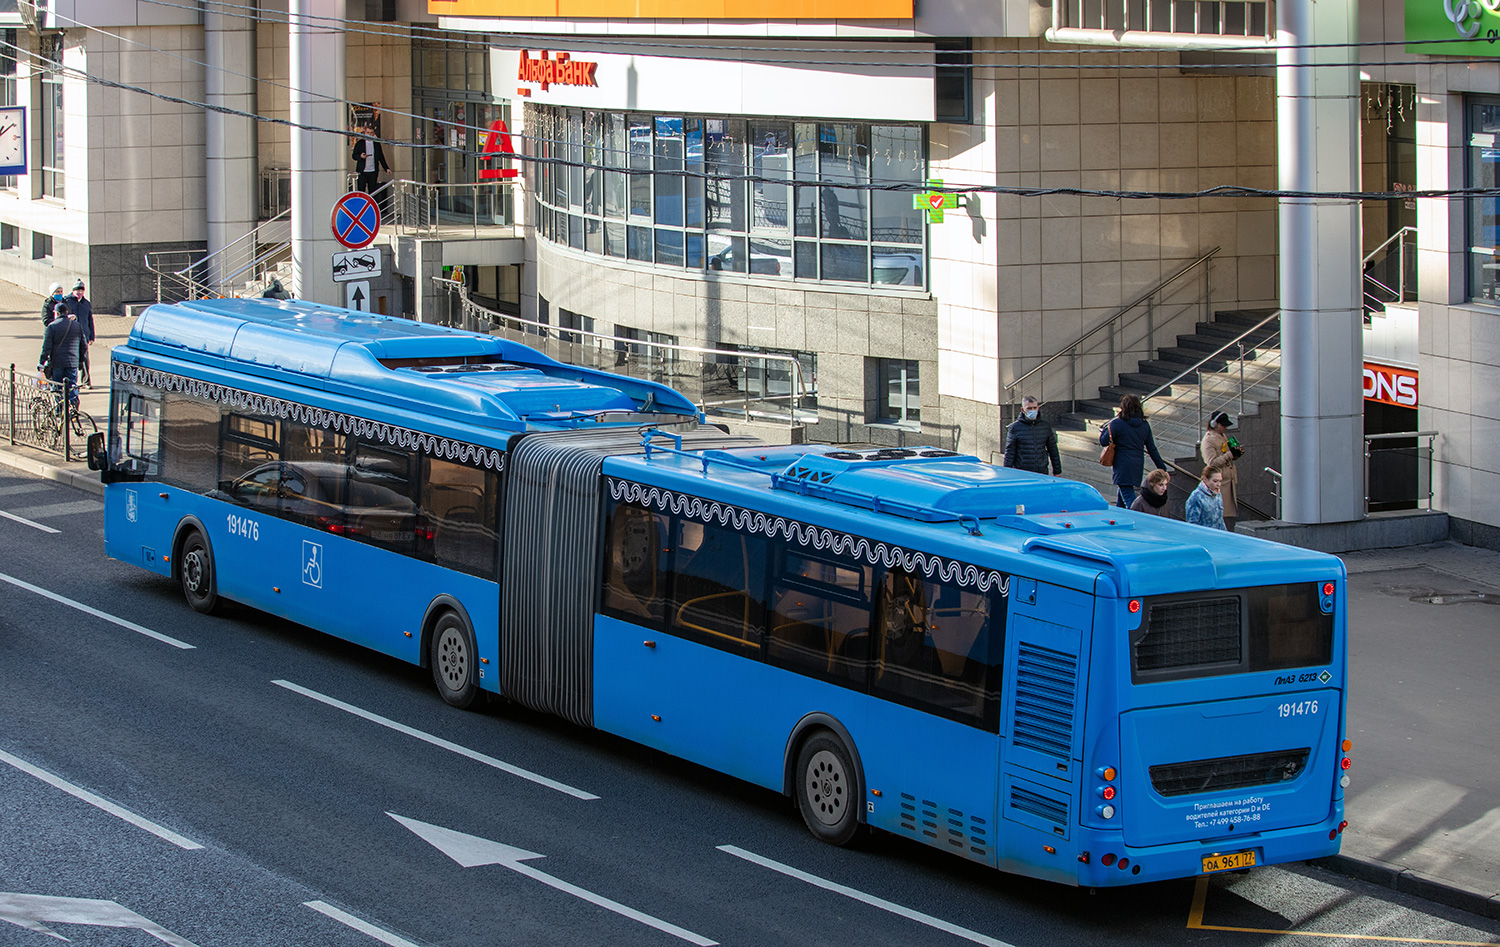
<point>230,145</point>
<point>319,158</point>
<point>1322,406</point>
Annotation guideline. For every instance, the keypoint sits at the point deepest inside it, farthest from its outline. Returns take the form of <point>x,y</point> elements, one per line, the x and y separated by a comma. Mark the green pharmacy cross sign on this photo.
<point>934,202</point>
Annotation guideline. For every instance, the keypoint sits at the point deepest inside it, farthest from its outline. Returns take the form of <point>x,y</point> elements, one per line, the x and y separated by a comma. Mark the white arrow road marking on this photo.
<point>88,610</point>
<point>364,927</point>
<point>118,812</point>
<point>436,741</point>
<point>24,520</point>
<point>32,911</point>
<point>471,851</point>
<point>869,899</point>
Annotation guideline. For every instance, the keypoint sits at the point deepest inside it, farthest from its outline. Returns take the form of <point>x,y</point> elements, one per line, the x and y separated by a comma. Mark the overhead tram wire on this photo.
<point>511,41</point>
<point>1220,191</point>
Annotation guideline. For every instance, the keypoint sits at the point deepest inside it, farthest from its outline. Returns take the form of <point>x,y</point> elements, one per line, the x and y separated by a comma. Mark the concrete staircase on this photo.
<point>1175,413</point>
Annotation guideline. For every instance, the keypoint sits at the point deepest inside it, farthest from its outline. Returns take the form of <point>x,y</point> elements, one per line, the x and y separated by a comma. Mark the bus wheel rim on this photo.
<point>453,658</point>
<point>827,787</point>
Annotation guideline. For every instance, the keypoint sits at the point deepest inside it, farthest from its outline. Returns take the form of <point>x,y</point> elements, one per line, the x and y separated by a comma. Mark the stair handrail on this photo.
<point>1398,292</point>
<point>196,286</point>
<point>1388,241</point>
<point>1210,357</point>
<point>1116,317</point>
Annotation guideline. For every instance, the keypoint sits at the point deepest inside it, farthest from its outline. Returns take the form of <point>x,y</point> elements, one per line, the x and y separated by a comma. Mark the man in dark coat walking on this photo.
<point>1030,441</point>
<point>369,161</point>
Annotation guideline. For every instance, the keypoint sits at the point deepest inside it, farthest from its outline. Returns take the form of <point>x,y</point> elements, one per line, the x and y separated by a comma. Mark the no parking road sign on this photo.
<point>356,220</point>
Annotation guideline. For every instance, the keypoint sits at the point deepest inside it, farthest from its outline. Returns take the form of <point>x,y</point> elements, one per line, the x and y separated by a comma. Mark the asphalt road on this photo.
<point>171,778</point>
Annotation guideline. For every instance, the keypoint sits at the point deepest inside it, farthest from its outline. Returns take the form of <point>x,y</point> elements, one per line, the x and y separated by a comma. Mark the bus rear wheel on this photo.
<point>826,789</point>
<point>452,655</point>
<point>195,572</point>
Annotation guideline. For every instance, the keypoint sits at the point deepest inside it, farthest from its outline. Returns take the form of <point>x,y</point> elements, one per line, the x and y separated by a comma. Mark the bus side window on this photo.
<point>820,617</point>
<point>137,435</point>
<point>379,508</point>
<point>190,443</point>
<point>635,553</point>
<point>718,586</point>
<point>459,508</point>
<point>935,650</point>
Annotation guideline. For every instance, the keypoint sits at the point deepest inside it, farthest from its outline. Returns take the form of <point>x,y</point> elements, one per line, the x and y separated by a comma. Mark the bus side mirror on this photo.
<point>98,457</point>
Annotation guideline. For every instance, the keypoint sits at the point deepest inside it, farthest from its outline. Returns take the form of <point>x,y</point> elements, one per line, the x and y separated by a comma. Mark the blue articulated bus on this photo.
<point>992,662</point>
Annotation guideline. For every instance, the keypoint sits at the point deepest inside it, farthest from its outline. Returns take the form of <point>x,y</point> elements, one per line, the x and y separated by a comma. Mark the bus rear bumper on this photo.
<point>1108,862</point>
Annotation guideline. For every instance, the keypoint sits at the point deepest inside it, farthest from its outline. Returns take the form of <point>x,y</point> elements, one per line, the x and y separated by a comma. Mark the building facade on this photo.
<point>752,181</point>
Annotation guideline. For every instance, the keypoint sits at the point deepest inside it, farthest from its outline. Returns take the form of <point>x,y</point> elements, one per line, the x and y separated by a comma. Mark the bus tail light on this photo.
<point>1107,859</point>
<point>1105,811</point>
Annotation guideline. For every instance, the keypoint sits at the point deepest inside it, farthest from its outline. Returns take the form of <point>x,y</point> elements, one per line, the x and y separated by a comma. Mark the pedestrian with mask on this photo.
<point>1153,498</point>
<point>49,305</point>
<point>83,310</point>
<point>1030,441</point>
<point>1130,435</point>
<point>1219,450</point>
<point>1205,507</point>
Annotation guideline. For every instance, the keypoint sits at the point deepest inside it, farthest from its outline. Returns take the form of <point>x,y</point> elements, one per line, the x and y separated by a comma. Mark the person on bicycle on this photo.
<point>60,353</point>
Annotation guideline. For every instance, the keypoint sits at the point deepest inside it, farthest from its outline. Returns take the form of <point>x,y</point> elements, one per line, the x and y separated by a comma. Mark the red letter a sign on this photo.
<point>496,143</point>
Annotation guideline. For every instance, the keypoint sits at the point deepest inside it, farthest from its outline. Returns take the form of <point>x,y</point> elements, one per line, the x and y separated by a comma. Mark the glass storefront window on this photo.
<point>722,194</point>
<point>1484,212</point>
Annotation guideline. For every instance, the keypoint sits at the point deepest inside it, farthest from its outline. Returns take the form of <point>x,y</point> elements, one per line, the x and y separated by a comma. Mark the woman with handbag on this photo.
<point>1126,439</point>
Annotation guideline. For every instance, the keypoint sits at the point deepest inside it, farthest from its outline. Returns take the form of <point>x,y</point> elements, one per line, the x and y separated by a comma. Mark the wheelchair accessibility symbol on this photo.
<point>312,564</point>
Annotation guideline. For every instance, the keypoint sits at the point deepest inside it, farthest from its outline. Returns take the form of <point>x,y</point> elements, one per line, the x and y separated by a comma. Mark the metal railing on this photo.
<point>749,386</point>
<point>1400,463</point>
<point>196,274</point>
<point>420,209</point>
<point>1242,353</point>
<point>1172,24</point>
<point>1144,324</point>
<point>35,416</point>
<point>1275,488</point>
<point>1390,273</point>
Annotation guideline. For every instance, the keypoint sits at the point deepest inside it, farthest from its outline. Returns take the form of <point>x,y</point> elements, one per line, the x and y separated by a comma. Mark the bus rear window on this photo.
<point>1266,628</point>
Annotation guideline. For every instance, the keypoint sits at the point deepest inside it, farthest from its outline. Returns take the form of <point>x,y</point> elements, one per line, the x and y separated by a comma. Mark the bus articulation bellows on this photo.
<point>992,662</point>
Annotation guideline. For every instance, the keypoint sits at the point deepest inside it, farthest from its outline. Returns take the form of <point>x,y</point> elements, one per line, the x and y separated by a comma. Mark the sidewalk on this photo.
<point>1424,652</point>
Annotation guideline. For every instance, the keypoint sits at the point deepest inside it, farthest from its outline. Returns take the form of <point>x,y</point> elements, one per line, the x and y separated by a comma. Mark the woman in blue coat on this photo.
<point>1132,438</point>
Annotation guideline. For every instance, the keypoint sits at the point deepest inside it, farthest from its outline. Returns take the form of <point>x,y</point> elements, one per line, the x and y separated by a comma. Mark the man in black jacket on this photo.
<point>1030,441</point>
<point>369,161</point>
<point>78,304</point>
<point>60,353</point>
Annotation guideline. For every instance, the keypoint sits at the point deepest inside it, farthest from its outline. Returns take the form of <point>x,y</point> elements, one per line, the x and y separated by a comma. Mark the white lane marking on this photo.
<point>364,927</point>
<point>869,899</point>
<point>118,812</point>
<point>437,741</point>
<point>32,912</point>
<point>69,508</point>
<point>88,610</point>
<point>19,488</point>
<point>471,851</point>
<point>26,522</point>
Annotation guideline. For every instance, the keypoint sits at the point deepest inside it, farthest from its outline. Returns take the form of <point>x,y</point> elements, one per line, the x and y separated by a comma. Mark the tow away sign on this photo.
<point>356,264</point>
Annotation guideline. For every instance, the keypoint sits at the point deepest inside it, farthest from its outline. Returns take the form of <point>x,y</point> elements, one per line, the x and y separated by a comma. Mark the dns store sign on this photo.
<point>1389,385</point>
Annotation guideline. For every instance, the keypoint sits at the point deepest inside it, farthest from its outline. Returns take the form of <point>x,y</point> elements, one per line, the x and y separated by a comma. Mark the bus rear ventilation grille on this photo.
<point>1229,772</point>
<point>1190,634</point>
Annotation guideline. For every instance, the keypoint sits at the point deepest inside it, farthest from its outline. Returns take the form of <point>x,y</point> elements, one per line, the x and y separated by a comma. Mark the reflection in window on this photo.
<point>938,649</point>
<point>820,617</point>
<point>719,194</point>
<point>1484,212</point>
<point>899,391</point>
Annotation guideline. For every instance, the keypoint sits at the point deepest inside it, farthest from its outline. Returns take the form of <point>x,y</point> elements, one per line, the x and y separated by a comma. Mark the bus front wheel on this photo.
<point>452,655</point>
<point>195,571</point>
<point>826,789</point>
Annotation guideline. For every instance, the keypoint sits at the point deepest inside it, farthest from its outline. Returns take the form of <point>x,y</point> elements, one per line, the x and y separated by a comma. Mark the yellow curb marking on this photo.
<point>1200,895</point>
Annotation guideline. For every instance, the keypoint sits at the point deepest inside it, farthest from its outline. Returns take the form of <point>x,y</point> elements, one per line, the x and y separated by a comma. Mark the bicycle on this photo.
<point>46,417</point>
